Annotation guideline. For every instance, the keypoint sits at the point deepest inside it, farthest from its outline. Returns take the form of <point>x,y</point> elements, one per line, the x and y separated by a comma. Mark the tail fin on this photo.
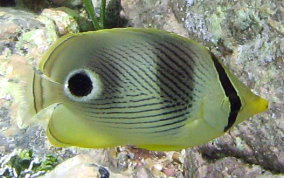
<point>21,85</point>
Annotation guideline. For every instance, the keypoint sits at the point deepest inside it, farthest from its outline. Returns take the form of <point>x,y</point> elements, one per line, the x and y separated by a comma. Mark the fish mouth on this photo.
<point>264,105</point>
<point>259,105</point>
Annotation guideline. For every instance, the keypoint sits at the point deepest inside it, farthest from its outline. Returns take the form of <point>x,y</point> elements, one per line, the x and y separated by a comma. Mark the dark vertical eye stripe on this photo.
<point>35,107</point>
<point>37,92</point>
<point>231,93</point>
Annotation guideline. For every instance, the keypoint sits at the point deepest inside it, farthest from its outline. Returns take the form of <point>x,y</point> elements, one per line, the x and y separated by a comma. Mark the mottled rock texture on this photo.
<point>247,35</point>
<point>24,37</point>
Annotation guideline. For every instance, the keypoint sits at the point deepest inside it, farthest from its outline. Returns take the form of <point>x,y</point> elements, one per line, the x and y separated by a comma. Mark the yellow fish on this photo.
<point>131,86</point>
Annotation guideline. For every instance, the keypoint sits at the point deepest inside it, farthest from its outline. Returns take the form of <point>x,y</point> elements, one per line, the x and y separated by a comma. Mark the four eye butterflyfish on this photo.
<point>131,86</point>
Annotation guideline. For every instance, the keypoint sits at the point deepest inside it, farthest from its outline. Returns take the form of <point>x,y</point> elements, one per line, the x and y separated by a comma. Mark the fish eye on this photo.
<point>82,85</point>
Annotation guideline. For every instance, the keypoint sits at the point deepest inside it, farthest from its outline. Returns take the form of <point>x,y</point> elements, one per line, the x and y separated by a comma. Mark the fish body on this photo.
<point>142,87</point>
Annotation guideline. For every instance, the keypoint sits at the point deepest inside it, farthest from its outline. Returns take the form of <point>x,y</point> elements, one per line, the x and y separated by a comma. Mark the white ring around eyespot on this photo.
<point>96,84</point>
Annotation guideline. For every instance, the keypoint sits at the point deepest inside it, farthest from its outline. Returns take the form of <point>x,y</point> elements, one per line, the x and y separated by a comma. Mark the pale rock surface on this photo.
<point>246,35</point>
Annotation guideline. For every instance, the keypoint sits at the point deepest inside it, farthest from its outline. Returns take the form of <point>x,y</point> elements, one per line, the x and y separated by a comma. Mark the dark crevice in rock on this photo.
<point>7,3</point>
<point>113,17</point>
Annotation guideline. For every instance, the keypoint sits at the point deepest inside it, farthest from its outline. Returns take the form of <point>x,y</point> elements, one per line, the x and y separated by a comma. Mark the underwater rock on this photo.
<point>248,36</point>
<point>152,14</point>
<point>38,6</point>
<point>104,163</point>
<point>24,36</point>
<point>59,15</point>
<point>198,165</point>
<point>80,166</point>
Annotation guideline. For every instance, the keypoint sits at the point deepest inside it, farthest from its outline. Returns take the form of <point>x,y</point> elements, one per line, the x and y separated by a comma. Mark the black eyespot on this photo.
<point>80,84</point>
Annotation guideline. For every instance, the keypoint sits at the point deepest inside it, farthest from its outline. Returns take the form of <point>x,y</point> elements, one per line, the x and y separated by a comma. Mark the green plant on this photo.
<point>22,163</point>
<point>48,164</point>
<point>98,22</point>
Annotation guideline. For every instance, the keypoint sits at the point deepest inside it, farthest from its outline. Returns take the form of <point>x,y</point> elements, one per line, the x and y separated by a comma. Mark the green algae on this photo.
<point>22,163</point>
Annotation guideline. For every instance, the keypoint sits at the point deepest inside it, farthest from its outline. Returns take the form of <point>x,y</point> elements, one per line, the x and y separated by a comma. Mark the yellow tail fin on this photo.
<point>20,85</point>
